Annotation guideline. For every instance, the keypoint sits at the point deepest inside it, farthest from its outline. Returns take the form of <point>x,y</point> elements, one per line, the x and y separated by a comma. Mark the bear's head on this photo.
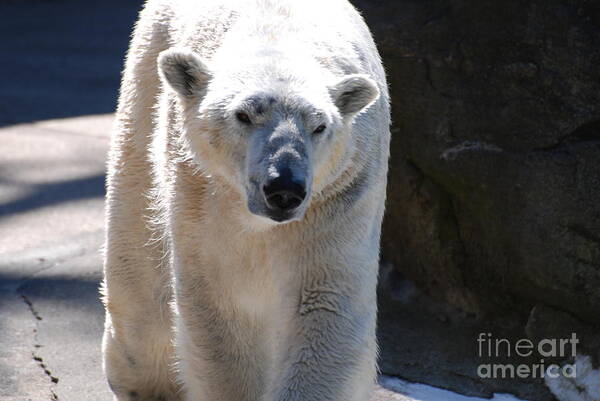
<point>278,130</point>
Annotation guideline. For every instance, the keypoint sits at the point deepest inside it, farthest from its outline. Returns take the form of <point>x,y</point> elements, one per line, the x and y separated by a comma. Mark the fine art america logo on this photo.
<point>492,348</point>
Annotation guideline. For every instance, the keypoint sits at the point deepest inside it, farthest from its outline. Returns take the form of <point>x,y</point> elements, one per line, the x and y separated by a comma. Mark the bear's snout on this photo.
<point>283,193</point>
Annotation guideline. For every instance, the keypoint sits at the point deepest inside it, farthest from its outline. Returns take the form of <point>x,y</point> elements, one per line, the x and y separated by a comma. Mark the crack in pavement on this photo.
<point>33,311</point>
<point>36,357</point>
<point>22,273</point>
<point>42,365</point>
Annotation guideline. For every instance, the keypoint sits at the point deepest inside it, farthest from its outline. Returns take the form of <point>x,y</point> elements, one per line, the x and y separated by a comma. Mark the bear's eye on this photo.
<point>319,129</point>
<point>243,117</point>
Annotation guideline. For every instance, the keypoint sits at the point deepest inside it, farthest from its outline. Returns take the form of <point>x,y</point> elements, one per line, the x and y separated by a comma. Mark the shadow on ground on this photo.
<point>62,58</point>
<point>82,290</point>
<point>51,193</point>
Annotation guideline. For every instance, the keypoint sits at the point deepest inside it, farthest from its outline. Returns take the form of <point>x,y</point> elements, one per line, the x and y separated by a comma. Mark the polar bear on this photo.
<point>245,194</point>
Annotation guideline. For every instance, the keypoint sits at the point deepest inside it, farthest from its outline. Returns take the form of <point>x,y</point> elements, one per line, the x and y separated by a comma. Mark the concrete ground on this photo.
<point>57,89</point>
<point>51,228</point>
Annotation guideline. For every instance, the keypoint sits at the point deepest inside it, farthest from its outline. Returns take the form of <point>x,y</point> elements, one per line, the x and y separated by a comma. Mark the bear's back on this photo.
<point>331,31</point>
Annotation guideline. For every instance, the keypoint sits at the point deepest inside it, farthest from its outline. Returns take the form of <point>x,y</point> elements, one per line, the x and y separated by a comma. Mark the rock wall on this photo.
<point>493,204</point>
<point>494,186</point>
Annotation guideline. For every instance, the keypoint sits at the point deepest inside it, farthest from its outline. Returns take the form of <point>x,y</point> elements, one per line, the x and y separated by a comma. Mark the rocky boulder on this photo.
<point>494,185</point>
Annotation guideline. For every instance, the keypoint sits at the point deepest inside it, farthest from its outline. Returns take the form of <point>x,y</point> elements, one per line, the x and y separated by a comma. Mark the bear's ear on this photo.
<point>183,71</point>
<point>354,93</point>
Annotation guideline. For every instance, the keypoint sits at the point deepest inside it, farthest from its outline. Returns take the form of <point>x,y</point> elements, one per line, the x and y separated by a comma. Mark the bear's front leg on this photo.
<point>332,352</point>
<point>222,350</point>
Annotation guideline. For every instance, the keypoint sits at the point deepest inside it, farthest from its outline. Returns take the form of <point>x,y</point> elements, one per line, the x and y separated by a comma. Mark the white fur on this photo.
<point>206,298</point>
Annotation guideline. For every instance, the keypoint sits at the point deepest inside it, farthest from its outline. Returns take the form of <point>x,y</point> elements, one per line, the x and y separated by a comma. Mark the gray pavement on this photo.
<point>51,229</point>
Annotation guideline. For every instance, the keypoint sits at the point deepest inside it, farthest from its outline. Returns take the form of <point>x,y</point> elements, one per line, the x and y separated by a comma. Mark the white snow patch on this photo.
<point>584,387</point>
<point>406,391</point>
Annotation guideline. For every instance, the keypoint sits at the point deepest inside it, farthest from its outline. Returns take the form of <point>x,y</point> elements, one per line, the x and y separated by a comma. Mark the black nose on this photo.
<point>285,192</point>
